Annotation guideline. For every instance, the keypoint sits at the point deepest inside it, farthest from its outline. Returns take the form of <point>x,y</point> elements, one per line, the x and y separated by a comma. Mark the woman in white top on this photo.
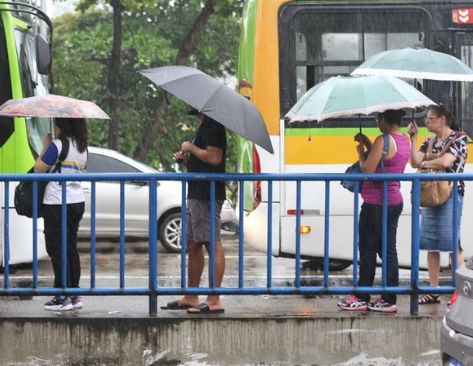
<point>75,162</point>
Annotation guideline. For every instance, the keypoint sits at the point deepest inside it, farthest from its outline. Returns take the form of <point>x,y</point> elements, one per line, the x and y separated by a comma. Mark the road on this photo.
<point>169,266</point>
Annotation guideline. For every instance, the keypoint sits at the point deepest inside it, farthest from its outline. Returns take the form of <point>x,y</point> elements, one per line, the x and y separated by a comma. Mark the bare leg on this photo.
<point>195,266</point>
<point>460,259</point>
<point>433,266</point>
<point>213,301</point>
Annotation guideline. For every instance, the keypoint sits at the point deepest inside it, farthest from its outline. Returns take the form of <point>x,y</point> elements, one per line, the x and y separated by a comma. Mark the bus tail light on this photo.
<point>256,184</point>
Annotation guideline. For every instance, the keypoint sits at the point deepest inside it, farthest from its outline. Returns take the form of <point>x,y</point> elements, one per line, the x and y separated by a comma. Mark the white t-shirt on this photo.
<point>75,163</point>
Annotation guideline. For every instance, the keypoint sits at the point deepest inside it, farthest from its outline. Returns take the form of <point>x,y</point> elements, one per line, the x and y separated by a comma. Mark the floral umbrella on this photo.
<point>52,106</point>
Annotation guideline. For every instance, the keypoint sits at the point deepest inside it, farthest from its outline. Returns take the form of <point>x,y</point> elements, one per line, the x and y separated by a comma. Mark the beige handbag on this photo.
<point>436,192</point>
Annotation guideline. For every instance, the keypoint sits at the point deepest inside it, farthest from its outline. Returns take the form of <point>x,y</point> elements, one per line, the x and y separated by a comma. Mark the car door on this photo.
<point>107,198</point>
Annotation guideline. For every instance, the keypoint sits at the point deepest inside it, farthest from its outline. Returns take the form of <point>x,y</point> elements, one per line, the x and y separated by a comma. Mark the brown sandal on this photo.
<point>429,299</point>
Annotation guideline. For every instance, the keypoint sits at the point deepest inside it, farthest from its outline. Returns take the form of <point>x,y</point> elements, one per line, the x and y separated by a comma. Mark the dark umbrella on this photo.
<point>214,99</point>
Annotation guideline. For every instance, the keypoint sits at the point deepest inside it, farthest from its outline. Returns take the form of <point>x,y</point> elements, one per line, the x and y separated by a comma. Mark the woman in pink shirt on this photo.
<point>371,214</point>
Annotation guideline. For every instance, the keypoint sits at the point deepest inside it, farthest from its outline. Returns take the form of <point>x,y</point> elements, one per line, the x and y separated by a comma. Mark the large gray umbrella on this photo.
<point>214,99</point>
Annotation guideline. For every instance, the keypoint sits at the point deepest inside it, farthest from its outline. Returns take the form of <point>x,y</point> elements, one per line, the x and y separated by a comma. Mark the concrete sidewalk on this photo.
<point>269,330</point>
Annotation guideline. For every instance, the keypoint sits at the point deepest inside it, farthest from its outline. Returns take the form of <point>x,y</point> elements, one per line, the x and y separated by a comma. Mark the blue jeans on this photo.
<point>370,245</point>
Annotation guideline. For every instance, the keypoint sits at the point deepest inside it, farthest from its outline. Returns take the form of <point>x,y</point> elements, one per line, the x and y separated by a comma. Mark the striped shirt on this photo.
<point>75,163</point>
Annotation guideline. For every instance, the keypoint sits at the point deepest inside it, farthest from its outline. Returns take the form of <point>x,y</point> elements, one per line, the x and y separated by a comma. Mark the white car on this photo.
<point>107,196</point>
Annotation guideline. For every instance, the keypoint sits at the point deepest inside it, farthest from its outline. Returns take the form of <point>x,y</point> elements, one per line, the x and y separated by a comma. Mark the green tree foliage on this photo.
<point>152,35</point>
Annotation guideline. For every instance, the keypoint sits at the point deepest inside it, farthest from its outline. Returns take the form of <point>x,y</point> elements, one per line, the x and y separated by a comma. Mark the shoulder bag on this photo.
<point>24,190</point>
<point>355,168</point>
<point>436,192</point>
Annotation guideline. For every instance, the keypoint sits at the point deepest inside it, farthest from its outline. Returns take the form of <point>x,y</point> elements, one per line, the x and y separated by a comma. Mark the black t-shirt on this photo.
<point>209,133</point>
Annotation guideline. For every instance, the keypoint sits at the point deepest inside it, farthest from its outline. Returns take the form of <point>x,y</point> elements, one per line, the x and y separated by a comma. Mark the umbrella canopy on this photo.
<point>52,106</point>
<point>416,64</point>
<point>214,99</point>
<point>350,95</point>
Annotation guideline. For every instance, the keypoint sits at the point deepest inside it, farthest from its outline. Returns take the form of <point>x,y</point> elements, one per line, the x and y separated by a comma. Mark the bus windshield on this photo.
<point>33,84</point>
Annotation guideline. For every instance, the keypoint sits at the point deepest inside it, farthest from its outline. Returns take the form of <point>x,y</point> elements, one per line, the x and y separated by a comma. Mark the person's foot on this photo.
<point>182,304</point>
<point>205,308</point>
<point>58,304</point>
<point>383,306</point>
<point>77,302</point>
<point>429,299</point>
<point>54,304</point>
<point>353,303</point>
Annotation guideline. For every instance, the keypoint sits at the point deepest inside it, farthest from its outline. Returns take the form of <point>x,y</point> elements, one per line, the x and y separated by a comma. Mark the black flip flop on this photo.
<point>174,305</point>
<point>204,309</point>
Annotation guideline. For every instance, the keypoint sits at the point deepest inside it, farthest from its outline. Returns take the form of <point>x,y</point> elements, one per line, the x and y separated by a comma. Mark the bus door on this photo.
<point>316,43</point>
<point>462,40</point>
<point>463,49</point>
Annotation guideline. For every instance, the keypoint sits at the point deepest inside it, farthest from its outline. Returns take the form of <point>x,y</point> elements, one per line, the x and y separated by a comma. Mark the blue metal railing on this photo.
<point>153,291</point>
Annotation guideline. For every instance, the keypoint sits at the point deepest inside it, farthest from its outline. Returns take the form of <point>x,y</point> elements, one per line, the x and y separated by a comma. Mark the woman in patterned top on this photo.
<point>436,227</point>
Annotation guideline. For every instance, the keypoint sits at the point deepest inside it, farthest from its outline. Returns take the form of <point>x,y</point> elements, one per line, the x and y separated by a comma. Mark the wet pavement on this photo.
<point>255,329</point>
<point>169,271</point>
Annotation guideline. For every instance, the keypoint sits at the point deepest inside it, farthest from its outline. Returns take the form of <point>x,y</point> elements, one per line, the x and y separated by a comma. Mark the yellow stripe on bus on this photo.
<point>326,150</point>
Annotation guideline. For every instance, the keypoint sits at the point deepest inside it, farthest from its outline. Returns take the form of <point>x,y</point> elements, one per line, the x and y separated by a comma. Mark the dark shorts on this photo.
<point>198,220</point>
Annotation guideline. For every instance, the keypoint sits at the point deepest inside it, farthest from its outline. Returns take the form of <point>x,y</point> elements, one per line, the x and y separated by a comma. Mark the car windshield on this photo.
<point>146,168</point>
<point>115,163</point>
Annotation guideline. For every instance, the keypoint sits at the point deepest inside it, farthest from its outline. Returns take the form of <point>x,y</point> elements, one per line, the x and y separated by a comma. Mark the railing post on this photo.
<point>327,234</point>
<point>415,247</point>
<point>153,250</point>
<point>122,234</point>
<point>63,236</point>
<point>298,233</point>
<point>6,249</point>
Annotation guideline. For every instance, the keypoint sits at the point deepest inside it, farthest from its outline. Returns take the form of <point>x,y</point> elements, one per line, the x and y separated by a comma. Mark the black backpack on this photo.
<point>24,190</point>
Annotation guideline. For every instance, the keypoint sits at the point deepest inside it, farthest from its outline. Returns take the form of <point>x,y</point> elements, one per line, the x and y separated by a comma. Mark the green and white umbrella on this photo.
<point>416,64</point>
<point>355,95</point>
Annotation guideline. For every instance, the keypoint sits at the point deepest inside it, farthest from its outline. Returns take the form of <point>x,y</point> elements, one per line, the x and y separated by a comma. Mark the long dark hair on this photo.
<point>441,110</point>
<point>74,128</point>
<point>392,116</point>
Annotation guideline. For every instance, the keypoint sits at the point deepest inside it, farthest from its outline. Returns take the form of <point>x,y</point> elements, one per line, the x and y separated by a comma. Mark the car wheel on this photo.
<point>170,233</point>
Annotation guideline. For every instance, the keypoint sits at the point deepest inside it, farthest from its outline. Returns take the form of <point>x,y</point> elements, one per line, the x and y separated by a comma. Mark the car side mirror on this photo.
<point>43,54</point>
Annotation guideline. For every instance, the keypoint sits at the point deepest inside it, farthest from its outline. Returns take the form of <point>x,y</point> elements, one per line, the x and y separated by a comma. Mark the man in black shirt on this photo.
<point>206,154</point>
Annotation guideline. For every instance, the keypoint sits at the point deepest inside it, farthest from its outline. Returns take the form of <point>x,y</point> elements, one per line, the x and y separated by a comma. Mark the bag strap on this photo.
<point>385,151</point>
<point>63,155</point>
<point>430,146</point>
<point>447,145</point>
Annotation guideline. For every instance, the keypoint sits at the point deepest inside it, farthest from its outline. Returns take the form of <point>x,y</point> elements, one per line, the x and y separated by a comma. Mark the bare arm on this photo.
<point>370,164</point>
<point>210,155</point>
<point>417,157</point>
<point>443,162</point>
<point>39,166</point>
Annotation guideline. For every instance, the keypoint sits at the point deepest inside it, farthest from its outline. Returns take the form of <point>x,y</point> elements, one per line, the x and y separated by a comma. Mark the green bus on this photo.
<point>25,62</point>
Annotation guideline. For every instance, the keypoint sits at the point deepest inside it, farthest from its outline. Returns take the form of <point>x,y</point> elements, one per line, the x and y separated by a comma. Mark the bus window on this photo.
<point>33,84</point>
<point>5,87</point>
<point>335,43</point>
<point>466,91</point>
